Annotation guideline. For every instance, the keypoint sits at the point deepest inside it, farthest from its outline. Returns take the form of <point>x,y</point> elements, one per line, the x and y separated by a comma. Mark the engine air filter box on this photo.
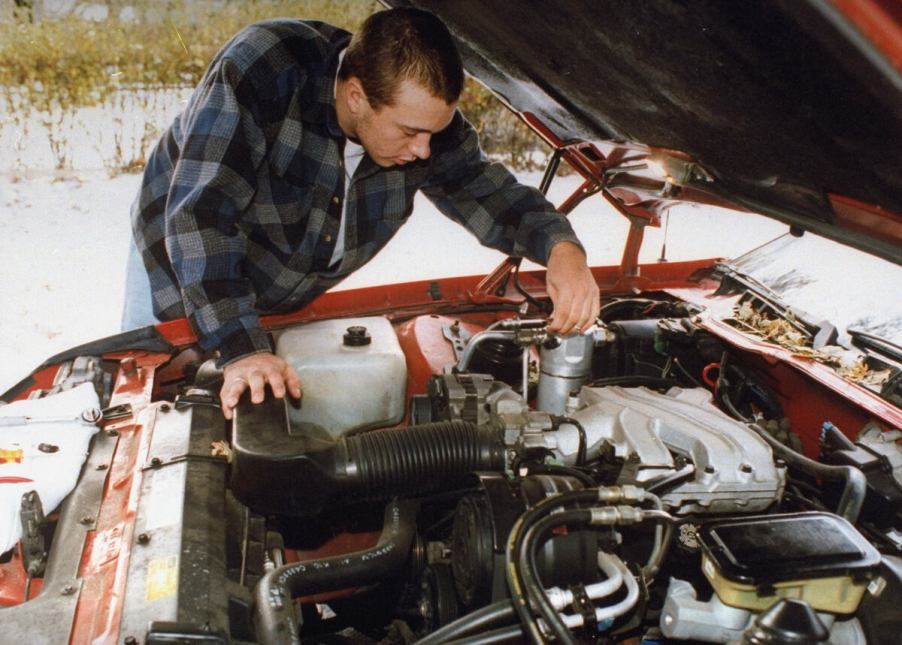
<point>816,557</point>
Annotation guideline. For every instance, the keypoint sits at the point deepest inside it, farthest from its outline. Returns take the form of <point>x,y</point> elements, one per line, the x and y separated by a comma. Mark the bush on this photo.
<point>502,134</point>
<point>55,67</point>
<point>72,63</point>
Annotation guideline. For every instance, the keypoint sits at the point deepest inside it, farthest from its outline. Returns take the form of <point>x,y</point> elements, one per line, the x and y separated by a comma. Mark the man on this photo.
<point>297,159</point>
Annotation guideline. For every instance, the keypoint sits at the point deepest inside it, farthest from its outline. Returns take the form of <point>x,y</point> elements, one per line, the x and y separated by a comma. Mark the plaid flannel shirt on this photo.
<point>242,197</point>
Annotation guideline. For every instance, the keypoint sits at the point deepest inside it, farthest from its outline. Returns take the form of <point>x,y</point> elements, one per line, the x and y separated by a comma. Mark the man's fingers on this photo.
<point>257,384</point>
<point>235,388</point>
<point>571,316</point>
<point>561,313</point>
<point>576,310</point>
<point>569,325</point>
<point>277,384</point>
<point>254,373</point>
<point>292,382</point>
<point>589,313</point>
<point>231,391</point>
<point>596,304</point>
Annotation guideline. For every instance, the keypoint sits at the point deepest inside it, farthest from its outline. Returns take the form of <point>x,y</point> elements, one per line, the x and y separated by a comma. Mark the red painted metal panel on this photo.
<point>880,21</point>
<point>105,560</point>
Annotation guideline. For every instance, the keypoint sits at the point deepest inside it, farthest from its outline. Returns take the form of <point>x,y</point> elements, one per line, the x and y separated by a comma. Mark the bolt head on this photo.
<point>129,366</point>
<point>92,415</point>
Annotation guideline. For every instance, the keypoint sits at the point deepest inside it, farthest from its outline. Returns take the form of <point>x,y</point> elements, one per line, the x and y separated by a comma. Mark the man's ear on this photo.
<point>355,95</point>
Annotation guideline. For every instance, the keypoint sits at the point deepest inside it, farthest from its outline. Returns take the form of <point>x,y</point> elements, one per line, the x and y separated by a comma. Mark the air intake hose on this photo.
<point>415,459</point>
<point>280,470</point>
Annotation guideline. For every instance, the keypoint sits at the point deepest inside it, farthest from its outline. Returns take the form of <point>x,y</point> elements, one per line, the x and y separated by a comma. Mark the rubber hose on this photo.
<point>512,634</point>
<point>274,616</point>
<point>855,489</point>
<point>513,546</point>
<point>634,380</point>
<point>643,329</point>
<point>418,459</point>
<point>477,621</point>
<point>564,471</point>
<point>532,538</point>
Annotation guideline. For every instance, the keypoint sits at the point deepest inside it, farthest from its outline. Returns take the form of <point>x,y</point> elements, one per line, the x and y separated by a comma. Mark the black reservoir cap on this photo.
<point>357,336</point>
<point>778,548</point>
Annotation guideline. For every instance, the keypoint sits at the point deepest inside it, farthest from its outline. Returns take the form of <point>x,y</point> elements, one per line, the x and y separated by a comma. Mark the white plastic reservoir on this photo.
<point>352,378</point>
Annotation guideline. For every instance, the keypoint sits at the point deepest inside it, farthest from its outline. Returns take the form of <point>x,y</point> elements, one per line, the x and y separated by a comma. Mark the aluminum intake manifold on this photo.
<point>734,469</point>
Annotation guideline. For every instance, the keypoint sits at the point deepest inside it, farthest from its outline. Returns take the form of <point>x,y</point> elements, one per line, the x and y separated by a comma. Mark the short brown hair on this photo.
<point>403,44</point>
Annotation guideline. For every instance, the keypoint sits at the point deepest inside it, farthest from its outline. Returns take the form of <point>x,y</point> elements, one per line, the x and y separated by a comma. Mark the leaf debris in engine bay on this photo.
<point>859,372</point>
<point>782,332</point>
<point>776,330</point>
<point>221,449</point>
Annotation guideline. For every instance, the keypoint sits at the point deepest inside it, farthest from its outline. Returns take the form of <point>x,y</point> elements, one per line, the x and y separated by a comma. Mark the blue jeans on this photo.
<point>137,310</point>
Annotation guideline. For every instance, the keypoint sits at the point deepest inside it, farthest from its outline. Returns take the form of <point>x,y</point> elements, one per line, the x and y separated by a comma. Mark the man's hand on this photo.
<point>255,371</point>
<point>572,288</point>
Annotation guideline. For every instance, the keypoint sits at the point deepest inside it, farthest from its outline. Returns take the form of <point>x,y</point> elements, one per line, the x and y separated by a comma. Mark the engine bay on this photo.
<point>469,477</point>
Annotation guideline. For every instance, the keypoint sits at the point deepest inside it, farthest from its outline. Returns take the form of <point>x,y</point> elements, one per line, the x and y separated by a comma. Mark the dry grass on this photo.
<point>70,62</point>
<point>59,66</point>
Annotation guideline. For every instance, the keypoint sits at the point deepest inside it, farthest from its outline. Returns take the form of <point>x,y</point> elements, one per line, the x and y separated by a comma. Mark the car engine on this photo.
<point>657,473</point>
<point>471,478</point>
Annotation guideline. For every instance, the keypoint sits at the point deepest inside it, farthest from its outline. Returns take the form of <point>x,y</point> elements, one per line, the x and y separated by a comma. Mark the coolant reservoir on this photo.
<point>352,371</point>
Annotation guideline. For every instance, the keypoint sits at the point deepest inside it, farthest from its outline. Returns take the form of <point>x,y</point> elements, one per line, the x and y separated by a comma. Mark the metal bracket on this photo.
<point>196,397</point>
<point>156,463</point>
<point>34,553</point>
<point>457,336</point>
<point>117,412</point>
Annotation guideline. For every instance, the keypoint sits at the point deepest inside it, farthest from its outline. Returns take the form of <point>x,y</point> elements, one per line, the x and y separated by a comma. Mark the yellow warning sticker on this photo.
<point>162,578</point>
<point>11,455</point>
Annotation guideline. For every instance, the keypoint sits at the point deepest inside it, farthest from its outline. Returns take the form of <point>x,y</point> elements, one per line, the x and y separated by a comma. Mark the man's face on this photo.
<point>397,134</point>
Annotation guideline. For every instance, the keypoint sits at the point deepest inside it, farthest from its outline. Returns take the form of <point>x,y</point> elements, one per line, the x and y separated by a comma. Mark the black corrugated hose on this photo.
<point>418,459</point>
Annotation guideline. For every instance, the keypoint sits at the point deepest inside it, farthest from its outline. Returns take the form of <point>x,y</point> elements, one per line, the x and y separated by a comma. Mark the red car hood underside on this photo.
<point>793,107</point>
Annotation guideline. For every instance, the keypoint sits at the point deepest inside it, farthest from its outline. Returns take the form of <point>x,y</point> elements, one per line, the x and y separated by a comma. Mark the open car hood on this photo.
<point>792,108</point>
